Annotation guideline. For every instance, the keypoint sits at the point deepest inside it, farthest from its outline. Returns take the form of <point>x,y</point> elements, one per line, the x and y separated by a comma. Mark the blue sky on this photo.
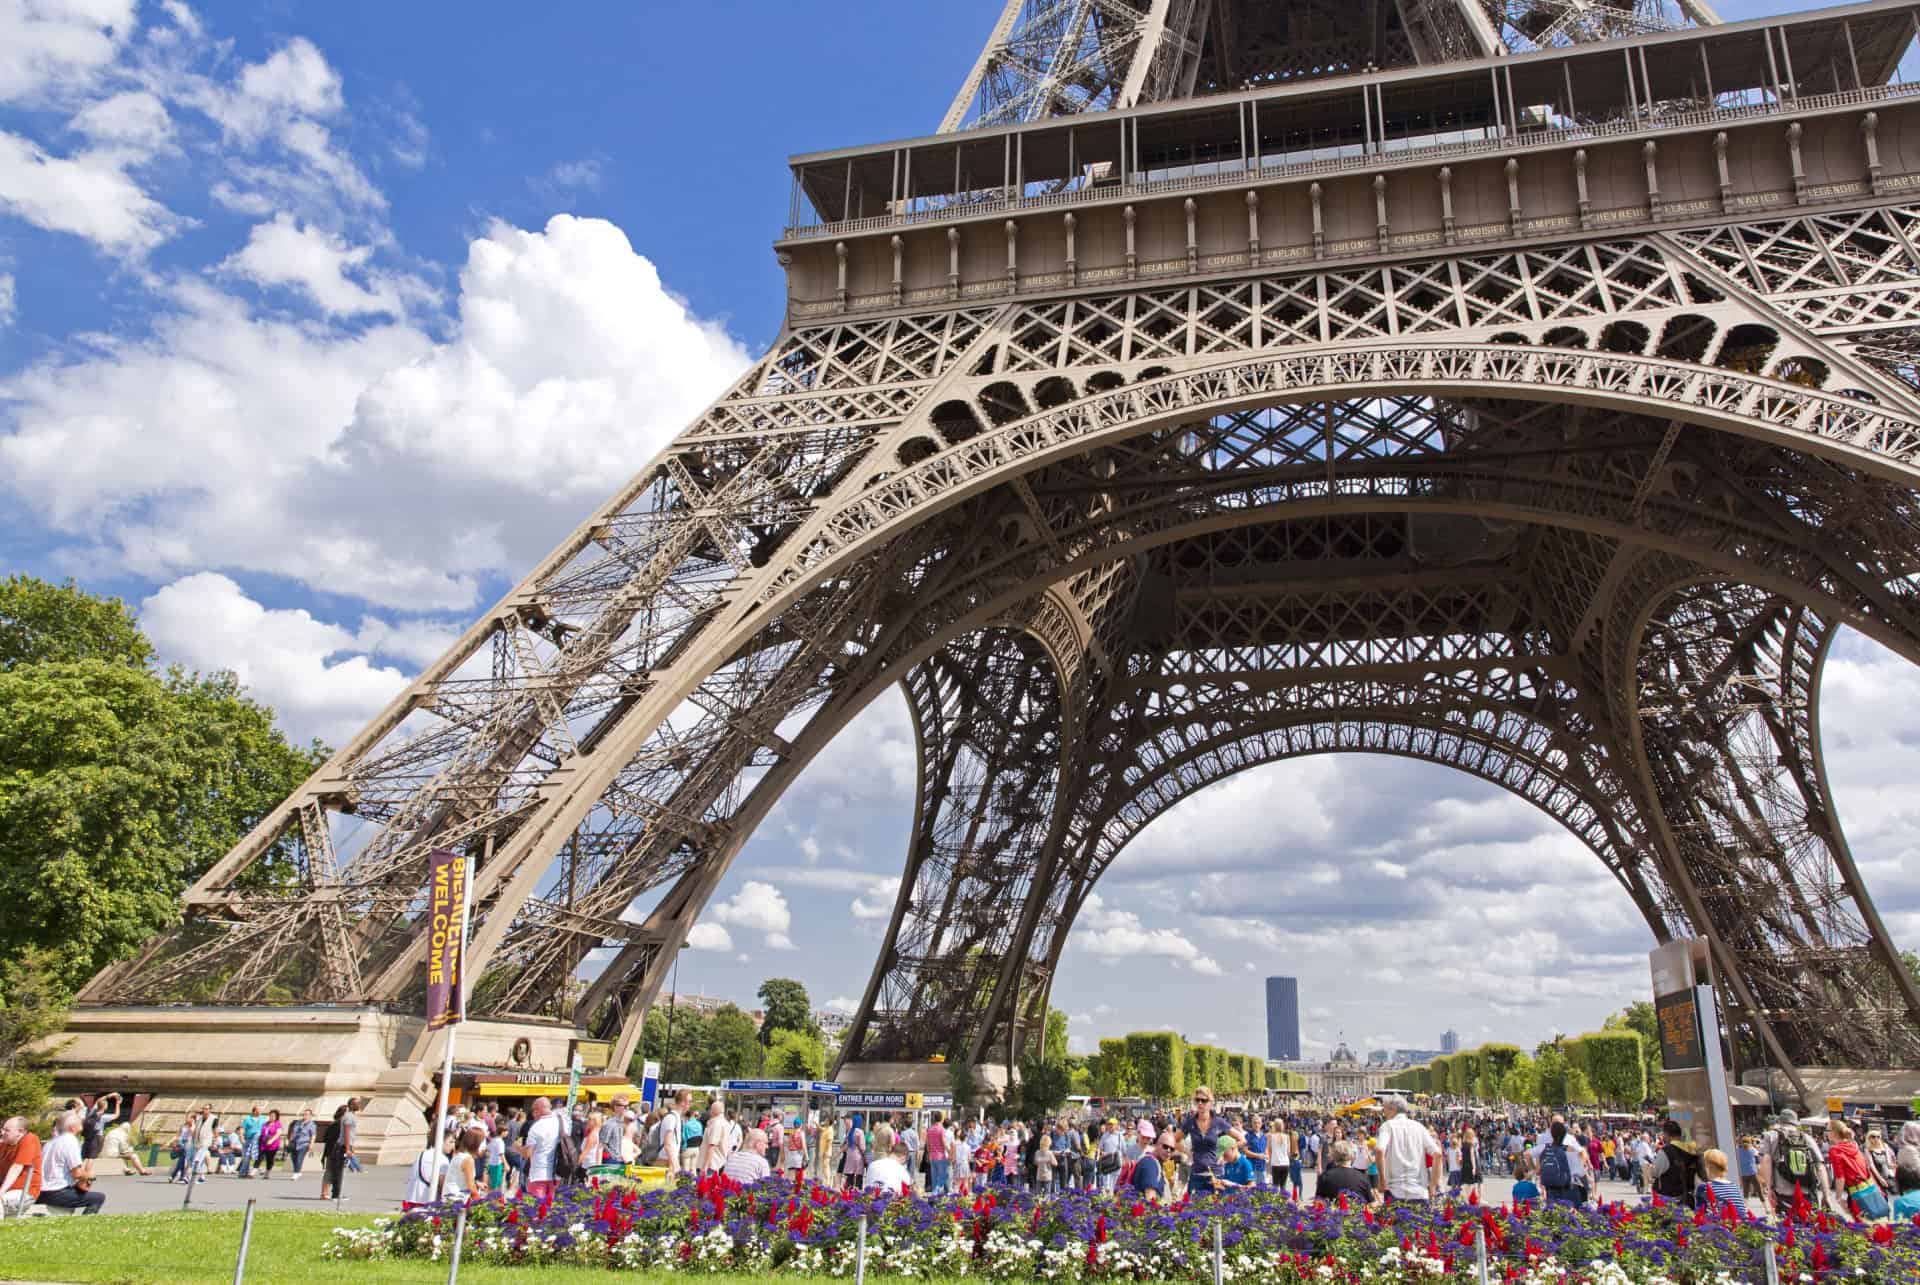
<point>320,322</point>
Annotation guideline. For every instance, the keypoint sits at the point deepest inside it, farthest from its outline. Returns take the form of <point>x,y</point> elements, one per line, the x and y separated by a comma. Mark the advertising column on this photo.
<point>1690,1050</point>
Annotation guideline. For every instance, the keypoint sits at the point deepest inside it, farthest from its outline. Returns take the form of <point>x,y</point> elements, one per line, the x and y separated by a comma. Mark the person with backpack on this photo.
<point>1562,1165</point>
<point>1676,1170</point>
<point>1790,1160</point>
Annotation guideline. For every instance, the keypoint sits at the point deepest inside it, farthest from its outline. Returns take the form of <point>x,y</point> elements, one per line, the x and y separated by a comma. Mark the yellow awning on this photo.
<point>592,1092</point>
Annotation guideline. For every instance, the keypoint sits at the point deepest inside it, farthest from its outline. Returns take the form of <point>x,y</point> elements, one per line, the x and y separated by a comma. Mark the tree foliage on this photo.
<point>1054,1050</point>
<point>42,623</point>
<point>786,1008</point>
<point>1614,1063</point>
<point>118,786</point>
<point>961,1085</point>
<point>33,1009</point>
<point>795,1055</point>
<point>1160,1059</point>
<point>1043,1087</point>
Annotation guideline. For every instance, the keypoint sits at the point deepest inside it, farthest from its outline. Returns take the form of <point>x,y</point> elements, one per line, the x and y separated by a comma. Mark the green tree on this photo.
<point>1054,1049</point>
<point>676,1038</point>
<point>732,1049</point>
<point>1043,1087</point>
<point>1639,1017</point>
<point>960,1084</point>
<point>787,1008</point>
<point>1112,1072</point>
<point>1522,1081</point>
<point>33,1009</point>
<point>796,1055</point>
<point>1550,1075</point>
<point>42,623</point>
<point>118,788</point>
<point>1496,1061</point>
<point>1615,1063</point>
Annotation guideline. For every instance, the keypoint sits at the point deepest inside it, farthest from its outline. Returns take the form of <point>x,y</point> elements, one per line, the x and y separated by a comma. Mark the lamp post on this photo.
<point>673,1000</point>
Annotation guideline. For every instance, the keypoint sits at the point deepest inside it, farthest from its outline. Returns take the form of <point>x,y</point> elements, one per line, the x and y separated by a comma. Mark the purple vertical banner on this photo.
<point>446,892</point>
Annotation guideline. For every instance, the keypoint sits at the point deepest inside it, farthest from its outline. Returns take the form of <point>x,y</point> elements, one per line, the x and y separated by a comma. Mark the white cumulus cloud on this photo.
<point>706,936</point>
<point>1109,931</point>
<point>841,1004</point>
<point>55,46</point>
<point>315,675</point>
<point>88,194</point>
<point>760,910</point>
<point>321,265</point>
<point>405,469</point>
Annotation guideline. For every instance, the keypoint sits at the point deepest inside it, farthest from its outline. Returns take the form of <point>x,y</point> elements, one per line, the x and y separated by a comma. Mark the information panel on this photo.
<point>1679,1018</point>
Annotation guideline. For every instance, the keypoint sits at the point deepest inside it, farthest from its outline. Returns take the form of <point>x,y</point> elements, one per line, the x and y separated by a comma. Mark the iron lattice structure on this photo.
<point>1542,414</point>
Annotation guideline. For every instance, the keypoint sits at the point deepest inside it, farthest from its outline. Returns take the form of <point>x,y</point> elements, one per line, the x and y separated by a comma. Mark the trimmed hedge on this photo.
<point>1160,1059</point>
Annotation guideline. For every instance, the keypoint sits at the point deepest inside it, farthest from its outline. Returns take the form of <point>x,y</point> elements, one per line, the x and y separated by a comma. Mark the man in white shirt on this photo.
<point>911,1137</point>
<point>889,1172</point>
<point>542,1144</point>
<point>671,1125</point>
<point>58,1182</point>
<point>748,1163</point>
<point>1406,1150</point>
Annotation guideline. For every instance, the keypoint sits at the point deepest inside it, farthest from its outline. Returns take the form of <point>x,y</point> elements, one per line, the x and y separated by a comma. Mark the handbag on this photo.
<point>1869,1200</point>
<point>1108,1163</point>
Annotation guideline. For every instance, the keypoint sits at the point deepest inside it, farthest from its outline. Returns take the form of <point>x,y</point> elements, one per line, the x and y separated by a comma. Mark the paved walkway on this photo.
<point>378,1190</point>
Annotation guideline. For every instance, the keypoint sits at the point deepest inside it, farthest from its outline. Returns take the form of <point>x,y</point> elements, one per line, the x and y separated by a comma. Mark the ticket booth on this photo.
<point>808,1099</point>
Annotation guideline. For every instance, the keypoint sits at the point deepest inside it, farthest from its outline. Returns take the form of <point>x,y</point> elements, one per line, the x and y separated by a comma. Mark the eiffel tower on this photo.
<point>1529,386</point>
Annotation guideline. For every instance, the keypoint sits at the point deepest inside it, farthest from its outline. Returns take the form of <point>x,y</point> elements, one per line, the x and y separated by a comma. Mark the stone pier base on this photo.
<point>918,1077</point>
<point>290,1058</point>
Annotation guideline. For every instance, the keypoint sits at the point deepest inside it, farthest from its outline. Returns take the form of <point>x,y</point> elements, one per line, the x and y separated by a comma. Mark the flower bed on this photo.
<point>717,1226</point>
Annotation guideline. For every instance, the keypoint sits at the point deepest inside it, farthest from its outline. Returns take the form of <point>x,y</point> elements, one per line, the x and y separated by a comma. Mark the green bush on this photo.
<point>1160,1060</point>
<point>1614,1063</point>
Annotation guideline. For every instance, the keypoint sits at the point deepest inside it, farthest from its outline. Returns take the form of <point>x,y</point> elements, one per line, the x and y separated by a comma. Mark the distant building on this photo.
<point>1344,1076</point>
<point>832,1021</point>
<point>1449,1042</point>
<point>1283,1019</point>
<point>1415,1057</point>
<point>1379,1057</point>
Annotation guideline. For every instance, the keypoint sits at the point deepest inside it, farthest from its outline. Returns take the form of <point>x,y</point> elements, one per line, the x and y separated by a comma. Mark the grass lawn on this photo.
<point>199,1249</point>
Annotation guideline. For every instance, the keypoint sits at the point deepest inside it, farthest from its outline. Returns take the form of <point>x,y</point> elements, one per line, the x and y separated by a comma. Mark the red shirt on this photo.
<point>1849,1166</point>
<point>24,1152</point>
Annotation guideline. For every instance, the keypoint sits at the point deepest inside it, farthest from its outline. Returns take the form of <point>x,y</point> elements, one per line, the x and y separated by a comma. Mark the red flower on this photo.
<point>1883,1235</point>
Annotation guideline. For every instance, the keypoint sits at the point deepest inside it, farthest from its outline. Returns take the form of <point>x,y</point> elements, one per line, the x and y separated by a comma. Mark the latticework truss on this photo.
<point>1572,502</point>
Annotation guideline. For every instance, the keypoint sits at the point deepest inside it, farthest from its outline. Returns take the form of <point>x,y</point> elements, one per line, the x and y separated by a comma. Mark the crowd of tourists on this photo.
<point>1313,1151</point>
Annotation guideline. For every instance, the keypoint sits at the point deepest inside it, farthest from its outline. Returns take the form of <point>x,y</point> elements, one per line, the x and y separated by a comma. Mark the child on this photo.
<point>497,1158</point>
<point>1715,1188</point>
<point>1524,1188</point>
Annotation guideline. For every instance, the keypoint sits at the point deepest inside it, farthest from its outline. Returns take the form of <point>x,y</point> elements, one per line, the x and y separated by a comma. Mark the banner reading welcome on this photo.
<point>446,891</point>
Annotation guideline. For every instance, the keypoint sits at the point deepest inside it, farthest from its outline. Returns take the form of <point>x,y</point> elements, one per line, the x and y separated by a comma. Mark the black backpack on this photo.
<point>566,1155</point>
<point>1556,1171</point>
<point>1682,1174</point>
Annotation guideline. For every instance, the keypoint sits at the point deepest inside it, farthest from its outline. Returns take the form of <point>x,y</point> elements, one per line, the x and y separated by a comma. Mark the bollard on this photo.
<point>860,1254</point>
<point>1219,1266</point>
<point>1480,1252</point>
<point>186,1201</point>
<point>1773,1265</point>
<point>246,1235</point>
<point>459,1239</point>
